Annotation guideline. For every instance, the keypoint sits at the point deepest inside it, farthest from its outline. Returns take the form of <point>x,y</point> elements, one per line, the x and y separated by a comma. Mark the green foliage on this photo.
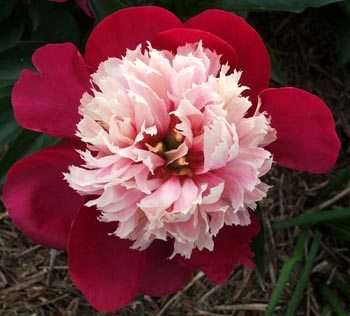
<point>295,6</point>
<point>26,142</point>
<point>258,246</point>
<point>311,219</point>
<point>343,44</point>
<point>102,8</point>
<point>11,31</point>
<point>332,300</point>
<point>299,289</point>
<point>6,8</point>
<point>285,273</point>
<point>277,74</point>
<point>14,60</point>
<point>52,23</point>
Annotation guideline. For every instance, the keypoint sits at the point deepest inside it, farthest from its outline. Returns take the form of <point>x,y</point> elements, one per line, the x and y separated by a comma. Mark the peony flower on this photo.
<point>168,129</point>
<point>83,4</point>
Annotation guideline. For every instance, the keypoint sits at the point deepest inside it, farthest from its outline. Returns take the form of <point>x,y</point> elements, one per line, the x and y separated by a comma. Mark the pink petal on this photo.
<point>49,102</point>
<point>231,247</point>
<point>163,276</point>
<point>125,29</point>
<point>174,38</point>
<point>103,266</point>
<point>253,58</point>
<point>306,137</point>
<point>39,201</point>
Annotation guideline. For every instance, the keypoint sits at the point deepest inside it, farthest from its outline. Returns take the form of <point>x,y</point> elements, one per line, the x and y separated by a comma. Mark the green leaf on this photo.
<point>53,24</point>
<point>343,45</point>
<point>339,228</point>
<point>285,273</point>
<point>277,74</point>
<point>187,8</point>
<point>7,7</point>
<point>308,219</point>
<point>26,142</point>
<point>9,126</point>
<point>15,59</point>
<point>299,289</point>
<point>295,6</point>
<point>347,5</point>
<point>102,8</point>
<point>258,246</point>
<point>11,31</point>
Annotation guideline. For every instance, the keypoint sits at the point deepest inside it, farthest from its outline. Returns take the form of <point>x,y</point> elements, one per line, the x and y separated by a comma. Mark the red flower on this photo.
<point>49,212</point>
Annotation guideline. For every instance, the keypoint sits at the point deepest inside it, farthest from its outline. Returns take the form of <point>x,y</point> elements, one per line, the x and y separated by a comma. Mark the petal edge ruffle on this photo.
<point>48,102</point>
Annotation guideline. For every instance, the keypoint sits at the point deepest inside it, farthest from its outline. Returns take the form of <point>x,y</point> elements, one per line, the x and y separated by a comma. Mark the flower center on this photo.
<point>171,143</point>
<point>171,153</point>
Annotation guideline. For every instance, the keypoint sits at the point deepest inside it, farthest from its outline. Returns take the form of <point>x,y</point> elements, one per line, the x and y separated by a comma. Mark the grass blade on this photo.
<point>332,300</point>
<point>258,246</point>
<point>299,289</point>
<point>309,219</point>
<point>285,273</point>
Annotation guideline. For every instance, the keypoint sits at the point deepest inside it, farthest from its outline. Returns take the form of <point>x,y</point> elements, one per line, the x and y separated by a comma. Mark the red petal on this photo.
<point>253,58</point>
<point>231,247</point>
<point>49,102</point>
<point>85,6</point>
<point>163,276</point>
<point>172,39</point>
<point>39,201</point>
<point>125,29</point>
<point>306,137</point>
<point>104,267</point>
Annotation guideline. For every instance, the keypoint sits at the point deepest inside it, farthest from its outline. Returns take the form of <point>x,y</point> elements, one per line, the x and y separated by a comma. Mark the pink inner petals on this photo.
<point>171,155</point>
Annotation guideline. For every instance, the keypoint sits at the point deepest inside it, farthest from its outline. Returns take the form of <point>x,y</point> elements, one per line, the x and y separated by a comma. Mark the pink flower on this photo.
<point>81,3</point>
<point>169,128</point>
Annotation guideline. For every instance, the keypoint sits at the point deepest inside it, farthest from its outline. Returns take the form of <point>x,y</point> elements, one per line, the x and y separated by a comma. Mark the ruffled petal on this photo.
<point>48,102</point>
<point>253,58</point>
<point>125,29</point>
<point>39,201</point>
<point>306,137</point>
<point>163,275</point>
<point>231,247</point>
<point>101,265</point>
<point>174,38</point>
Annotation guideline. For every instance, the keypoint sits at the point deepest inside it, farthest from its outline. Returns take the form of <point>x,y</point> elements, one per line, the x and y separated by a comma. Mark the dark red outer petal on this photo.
<point>253,57</point>
<point>231,247</point>
<point>125,29</point>
<point>172,39</point>
<point>306,137</point>
<point>163,276</point>
<point>38,200</point>
<point>101,265</point>
<point>84,5</point>
<point>49,102</point>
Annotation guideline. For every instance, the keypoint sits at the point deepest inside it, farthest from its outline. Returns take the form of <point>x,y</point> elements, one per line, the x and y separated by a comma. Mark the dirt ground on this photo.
<point>34,281</point>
